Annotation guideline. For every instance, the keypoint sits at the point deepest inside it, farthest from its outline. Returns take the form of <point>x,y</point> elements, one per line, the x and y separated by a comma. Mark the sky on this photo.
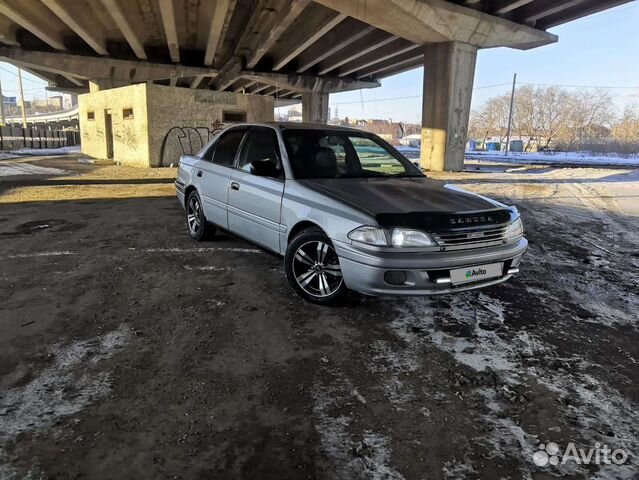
<point>599,50</point>
<point>33,86</point>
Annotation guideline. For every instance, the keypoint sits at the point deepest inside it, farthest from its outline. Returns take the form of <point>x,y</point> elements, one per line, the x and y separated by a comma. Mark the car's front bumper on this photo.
<point>365,270</point>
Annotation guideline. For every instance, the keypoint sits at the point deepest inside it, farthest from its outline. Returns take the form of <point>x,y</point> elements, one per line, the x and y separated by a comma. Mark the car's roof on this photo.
<point>299,126</point>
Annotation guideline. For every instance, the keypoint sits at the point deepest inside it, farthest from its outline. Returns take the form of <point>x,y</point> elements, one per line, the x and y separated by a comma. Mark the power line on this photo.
<point>26,79</point>
<point>574,86</point>
<point>26,89</point>
<point>377,100</point>
<point>488,86</point>
<point>491,86</point>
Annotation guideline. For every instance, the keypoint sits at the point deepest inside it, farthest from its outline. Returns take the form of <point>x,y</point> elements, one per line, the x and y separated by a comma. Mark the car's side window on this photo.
<point>374,157</point>
<point>261,147</point>
<point>226,147</point>
<point>208,154</point>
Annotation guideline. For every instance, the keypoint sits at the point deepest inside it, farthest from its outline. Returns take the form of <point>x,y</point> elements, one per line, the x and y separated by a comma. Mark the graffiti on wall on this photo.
<point>459,130</point>
<point>127,136</point>
<point>185,141</point>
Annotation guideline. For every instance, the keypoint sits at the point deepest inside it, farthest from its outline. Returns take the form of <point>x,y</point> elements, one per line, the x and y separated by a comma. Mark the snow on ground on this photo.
<point>38,152</point>
<point>570,158</point>
<point>365,456</point>
<point>540,158</point>
<point>596,407</point>
<point>69,384</point>
<point>9,169</point>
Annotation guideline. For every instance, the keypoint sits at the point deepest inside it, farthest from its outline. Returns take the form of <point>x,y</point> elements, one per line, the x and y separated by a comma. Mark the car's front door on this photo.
<point>214,170</point>
<point>255,195</point>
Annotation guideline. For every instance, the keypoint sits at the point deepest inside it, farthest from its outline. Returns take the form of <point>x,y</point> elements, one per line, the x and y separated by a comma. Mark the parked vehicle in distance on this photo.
<point>347,212</point>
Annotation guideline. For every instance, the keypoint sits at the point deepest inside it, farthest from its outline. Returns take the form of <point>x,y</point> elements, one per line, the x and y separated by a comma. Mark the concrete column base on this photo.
<point>449,70</point>
<point>315,107</point>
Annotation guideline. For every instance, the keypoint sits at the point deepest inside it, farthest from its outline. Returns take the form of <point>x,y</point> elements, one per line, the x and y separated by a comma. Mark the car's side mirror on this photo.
<point>265,168</point>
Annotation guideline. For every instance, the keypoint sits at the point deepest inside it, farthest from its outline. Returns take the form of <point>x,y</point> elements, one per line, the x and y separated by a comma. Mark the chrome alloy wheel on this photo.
<point>193,216</point>
<point>316,269</point>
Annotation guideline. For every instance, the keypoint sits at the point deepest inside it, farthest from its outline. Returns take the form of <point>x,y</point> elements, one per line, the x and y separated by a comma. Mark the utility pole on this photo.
<point>510,114</point>
<point>24,114</point>
<point>4,120</point>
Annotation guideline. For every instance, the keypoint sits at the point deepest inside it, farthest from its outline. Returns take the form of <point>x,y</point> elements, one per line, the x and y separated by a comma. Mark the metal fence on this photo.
<point>13,138</point>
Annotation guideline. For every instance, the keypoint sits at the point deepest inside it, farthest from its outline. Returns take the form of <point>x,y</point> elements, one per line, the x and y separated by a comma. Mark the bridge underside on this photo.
<point>294,50</point>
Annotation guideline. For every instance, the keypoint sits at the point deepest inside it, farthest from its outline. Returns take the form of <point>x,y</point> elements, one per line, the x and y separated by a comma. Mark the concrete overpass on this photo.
<point>291,49</point>
<point>59,119</point>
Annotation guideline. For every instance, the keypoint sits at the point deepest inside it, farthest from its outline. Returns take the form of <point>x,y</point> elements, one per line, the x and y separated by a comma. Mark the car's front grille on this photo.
<point>464,239</point>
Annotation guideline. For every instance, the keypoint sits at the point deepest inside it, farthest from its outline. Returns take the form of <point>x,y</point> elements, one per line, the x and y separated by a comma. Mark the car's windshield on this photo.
<point>343,154</point>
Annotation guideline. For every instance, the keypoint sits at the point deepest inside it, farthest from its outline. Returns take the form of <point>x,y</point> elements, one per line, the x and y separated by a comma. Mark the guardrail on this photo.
<point>13,138</point>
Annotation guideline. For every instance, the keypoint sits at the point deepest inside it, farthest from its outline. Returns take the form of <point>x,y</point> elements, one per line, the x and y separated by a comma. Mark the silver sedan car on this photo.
<point>347,211</point>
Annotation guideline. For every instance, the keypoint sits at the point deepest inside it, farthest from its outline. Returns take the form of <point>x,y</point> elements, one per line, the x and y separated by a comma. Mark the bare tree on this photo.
<point>552,112</point>
<point>625,131</point>
<point>553,116</point>
<point>491,119</point>
<point>587,115</point>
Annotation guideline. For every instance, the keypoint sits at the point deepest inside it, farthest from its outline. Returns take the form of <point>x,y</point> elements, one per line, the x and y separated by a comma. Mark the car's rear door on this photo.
<point>255,202</point>
<point>214,171</point>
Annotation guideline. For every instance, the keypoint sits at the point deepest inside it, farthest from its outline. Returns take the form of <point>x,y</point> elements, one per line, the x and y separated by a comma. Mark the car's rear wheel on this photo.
<point>313,269</point>
<point>196,224</point>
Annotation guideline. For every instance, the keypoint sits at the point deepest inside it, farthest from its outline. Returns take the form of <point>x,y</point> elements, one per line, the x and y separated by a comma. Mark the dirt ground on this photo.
<point>127,351</point>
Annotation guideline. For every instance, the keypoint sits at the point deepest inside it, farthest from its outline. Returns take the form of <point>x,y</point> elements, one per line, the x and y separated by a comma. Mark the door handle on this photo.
<point>199,173</point>
<point>235,186</point>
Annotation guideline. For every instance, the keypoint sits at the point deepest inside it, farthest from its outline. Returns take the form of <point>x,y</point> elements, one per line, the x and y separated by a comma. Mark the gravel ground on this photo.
<point>128,351</point>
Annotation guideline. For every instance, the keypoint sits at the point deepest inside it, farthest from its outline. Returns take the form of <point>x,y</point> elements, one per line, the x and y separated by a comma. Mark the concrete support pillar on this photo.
<point>315,107</point>
<point>449,69</point>
<point>97,85</point>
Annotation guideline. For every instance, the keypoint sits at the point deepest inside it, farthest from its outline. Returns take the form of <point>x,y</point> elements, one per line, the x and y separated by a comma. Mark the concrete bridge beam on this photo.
<point>436,21</point>
<point>100,70</point>
<point>308,83</point>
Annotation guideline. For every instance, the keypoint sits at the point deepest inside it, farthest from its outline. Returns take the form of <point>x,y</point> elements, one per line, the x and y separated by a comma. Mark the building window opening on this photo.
<point>90,115</point>
<point>233,117</point>
<point>127,113</point>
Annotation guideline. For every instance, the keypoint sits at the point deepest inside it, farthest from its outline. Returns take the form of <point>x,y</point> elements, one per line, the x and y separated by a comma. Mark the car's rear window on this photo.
<point>343,154</point>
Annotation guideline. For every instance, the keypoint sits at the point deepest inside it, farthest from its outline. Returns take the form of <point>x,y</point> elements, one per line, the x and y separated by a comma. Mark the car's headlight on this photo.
<point>515,230</point>
<point>399,237</point>
<point>370,235</point>
<point>405,237</point>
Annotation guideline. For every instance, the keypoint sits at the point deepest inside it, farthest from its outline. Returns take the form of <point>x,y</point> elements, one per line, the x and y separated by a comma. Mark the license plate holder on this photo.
<point>476,273</point>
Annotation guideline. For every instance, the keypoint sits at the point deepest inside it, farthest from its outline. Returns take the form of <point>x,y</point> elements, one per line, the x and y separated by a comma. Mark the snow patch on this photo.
<point>201,250</point>
<point>62,389</point>
<point>457,470</point>
<point>40,254</point>
<point>557,158</point>
<point>8,169</point>
<point>45,152</point>
<point>207,268</point>
<point>598,409</point>
<point>365,458</point>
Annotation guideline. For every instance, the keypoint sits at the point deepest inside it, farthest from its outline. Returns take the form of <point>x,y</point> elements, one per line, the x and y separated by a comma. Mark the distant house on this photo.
<point>518,143</point>
<point>9,101</point>
<point>414,140</point>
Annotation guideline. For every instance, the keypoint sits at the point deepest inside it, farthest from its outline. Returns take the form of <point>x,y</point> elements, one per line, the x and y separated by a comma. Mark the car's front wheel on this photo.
<point>196,223</point>
<point>313,269</point>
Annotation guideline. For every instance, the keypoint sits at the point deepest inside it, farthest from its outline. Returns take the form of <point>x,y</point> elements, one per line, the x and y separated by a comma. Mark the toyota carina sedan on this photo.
<point>347,211</point>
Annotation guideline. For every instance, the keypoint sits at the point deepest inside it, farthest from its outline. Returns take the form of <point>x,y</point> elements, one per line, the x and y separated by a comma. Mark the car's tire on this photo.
<point>313,270</point>
<point>196,225</point>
